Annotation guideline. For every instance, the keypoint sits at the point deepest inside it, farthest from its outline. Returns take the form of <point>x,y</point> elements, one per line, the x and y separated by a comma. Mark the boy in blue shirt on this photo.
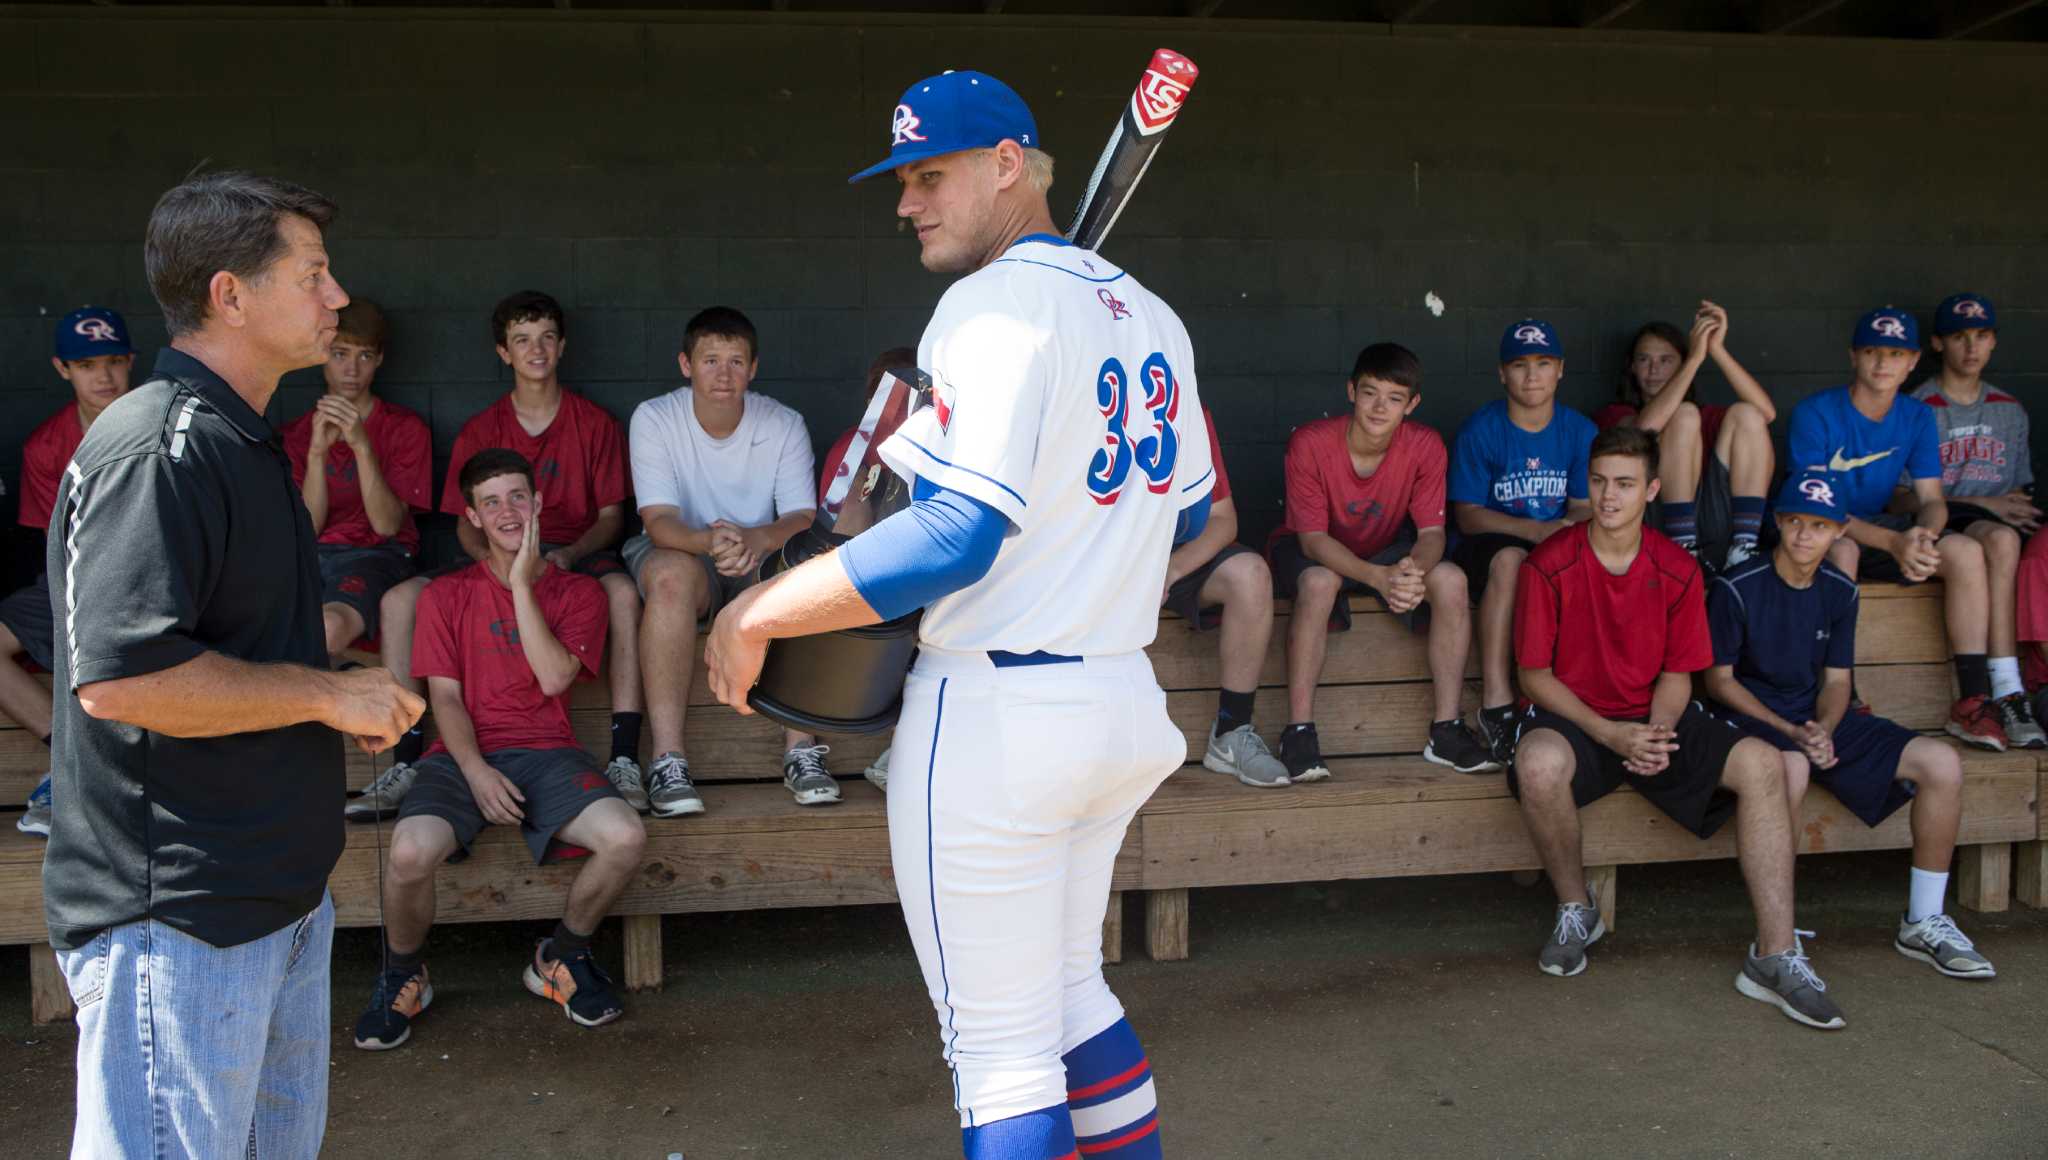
<point>1784,629</point>
<point>1518,474</point>
<point>1866,434</point>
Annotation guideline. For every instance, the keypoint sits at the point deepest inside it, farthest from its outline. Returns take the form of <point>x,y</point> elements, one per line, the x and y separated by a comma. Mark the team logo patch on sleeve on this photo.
<point>942,405</point>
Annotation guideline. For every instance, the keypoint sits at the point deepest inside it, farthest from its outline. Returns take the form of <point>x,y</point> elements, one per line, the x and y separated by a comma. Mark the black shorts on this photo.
<point>1475,555</point>
<point>1289,562</point>
<point>1878,564</point>
<point>359,578</point>
<point>1689,791</point>
<point>559,784</point>
<point>1713,511</point>
<point>1962,513</point>
<point>1865,776</point>
<point>1185,594</point>
<point>27,614</point>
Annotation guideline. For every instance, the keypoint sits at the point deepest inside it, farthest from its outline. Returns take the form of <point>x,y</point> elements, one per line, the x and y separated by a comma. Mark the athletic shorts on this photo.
<point>1713,511</point>
<point>721,587</point>
<point>1865,776</point>
<point>559,784</point>
<point>1878,564</point>
<point>359,578</point>
<point>1962,513</point>
<point>1289,562</point>
<point>1475,555</point>
<point>1689,790</point>
<point>1185,594</point>
<point>28,616</point>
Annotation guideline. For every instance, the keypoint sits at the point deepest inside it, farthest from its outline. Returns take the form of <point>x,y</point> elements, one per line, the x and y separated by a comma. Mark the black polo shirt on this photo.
<point>177,531</point>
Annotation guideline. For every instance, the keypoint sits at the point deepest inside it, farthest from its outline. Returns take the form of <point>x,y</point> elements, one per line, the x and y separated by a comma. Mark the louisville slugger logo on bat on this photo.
<point>1154,105</point>
<point>1161,92</point>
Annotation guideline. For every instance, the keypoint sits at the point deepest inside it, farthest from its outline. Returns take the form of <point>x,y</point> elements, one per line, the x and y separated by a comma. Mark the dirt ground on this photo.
<point>1339,1020</point>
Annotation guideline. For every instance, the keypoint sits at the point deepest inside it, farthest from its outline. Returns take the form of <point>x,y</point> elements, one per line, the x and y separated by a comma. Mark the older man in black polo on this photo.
<point>194,748</point>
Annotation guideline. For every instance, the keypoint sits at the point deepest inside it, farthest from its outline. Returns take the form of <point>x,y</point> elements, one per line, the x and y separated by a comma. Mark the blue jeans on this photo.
<point>186,1049</point>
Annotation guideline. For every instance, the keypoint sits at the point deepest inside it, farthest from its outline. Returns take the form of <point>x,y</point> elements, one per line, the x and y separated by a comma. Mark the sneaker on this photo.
<point>1739,552</point>
<point>1243,752</point>
<point>1934,940</point>
<point>1301,755</point>
<point>1786,981</point>
<point>36,818</point>
<point>805,776</point>
<point>1975,720</point>
<point>1501,732</point>
<point>397,999</point>
<point>2016,717</point>
<point>1579,926</point>
<point>669,792</point>
<point>878,773</point>
<point>379,799</point>
<point>624,773</point>
<point>1459,746</point>
<point>576,983</point>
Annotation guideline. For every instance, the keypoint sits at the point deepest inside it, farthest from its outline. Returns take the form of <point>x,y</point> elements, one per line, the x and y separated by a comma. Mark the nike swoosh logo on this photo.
<point>1837,463</point>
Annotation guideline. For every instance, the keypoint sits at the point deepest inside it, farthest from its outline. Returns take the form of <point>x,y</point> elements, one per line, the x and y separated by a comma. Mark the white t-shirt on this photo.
<point>752,477</point>
<point>1065,399</point>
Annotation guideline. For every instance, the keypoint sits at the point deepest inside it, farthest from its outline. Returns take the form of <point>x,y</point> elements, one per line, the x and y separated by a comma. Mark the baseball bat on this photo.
<point>1132,144</point>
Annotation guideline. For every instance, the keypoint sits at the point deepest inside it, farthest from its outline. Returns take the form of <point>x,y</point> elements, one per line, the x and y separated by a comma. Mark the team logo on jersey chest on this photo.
<point>1117,309</point>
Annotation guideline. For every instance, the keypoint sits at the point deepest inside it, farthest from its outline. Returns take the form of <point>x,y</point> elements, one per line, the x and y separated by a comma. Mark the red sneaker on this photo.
<point>1975,721</point>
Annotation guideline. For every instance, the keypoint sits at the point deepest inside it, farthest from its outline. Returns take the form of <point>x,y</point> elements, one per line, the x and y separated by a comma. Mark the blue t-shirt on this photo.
<point>1528,475</point>
<point>1828,431</point>
<point>1778,637</point>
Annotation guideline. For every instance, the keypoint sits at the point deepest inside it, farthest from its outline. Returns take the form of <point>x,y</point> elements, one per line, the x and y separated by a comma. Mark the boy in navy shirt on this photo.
<point>1866,435</point>
<point>1518,473</point>
<point>1784,631</point>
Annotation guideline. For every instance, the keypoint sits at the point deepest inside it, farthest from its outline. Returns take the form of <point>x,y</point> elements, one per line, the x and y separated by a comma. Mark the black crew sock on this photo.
<point>404,962</point>
<point>626,736</point>
<point>1297,726</point>
<point>1973,675</point>
<point>567,943</point>
<point>410,745</point>
<point>1232,710</point>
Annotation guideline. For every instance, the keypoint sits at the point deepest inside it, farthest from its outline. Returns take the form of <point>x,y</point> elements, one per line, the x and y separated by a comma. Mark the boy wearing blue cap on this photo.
<point>1784,629</point>
<point>1518,474</point>
<point>1866,435</point>
<point>90,352</point>
<point>1987,475</point>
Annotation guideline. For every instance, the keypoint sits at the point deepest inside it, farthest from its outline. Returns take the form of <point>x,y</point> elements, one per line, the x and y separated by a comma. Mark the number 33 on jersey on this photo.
<point>1064,397</point>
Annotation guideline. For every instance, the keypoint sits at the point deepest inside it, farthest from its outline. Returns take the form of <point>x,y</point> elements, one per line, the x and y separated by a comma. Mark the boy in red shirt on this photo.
<point>364,465</point>
<point>1610,625</point>
<point>1365,513</point>
<point>91,352</point>
<point>500,642</point>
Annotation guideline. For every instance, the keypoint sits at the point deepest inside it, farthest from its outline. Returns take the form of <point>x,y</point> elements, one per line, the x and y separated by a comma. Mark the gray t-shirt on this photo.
<point>1984,449</point>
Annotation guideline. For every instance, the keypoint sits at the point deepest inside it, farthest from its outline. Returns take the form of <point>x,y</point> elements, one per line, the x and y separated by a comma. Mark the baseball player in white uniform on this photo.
<point>1062,456</point>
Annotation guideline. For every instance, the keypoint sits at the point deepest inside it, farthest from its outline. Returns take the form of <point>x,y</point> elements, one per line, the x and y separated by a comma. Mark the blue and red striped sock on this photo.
<point>1682,524</point>
<point>1746,518</point>
<point>1046,1134</point>
<point>1109,1090</point>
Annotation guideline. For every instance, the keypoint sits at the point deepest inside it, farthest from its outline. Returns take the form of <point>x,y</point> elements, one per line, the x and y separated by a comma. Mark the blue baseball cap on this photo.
<point>951,112</point>
<point>89,332</point>
<point>1527,337</point>
<point>1815,491</point>
<point>1889,326</point>
<point>1964,312</point>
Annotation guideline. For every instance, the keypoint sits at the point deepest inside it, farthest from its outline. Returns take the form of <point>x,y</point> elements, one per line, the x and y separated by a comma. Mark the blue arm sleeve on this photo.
<point>941,543</point>
<point>1193,518</point>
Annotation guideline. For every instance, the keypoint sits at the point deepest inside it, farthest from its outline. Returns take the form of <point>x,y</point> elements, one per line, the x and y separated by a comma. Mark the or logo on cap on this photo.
<point>1969,308</point>
<point>1818,491</point>
<point>96,329</point>
<point>1889,325</point>
<point>1530,332</point>
<point>1116,309</point>
<point>903,126</point>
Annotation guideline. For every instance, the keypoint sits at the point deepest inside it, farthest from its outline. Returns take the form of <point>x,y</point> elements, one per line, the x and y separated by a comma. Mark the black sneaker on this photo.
<point>577,983</point>
<point>1459,746</point>
<point>397,999</point>
<point>1500,729</point>
<point>1302,754</point>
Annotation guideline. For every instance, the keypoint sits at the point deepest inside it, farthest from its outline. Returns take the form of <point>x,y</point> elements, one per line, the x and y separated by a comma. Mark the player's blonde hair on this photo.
<point>1038,169</point>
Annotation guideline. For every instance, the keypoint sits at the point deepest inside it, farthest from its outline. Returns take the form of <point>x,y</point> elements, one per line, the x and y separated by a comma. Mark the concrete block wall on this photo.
<point>1326,179</point>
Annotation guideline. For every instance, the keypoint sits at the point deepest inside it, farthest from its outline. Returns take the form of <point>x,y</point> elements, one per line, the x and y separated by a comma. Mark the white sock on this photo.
<point>2005,677</point>
<point>1930,888</point>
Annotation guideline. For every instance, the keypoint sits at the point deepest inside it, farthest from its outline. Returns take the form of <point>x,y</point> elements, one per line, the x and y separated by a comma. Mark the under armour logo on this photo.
<point>1116,309</point>
<point>1969,308</point>
<point>1889,325</point>
<point>903,126</point>
<point>97,329</point>
<point>1820,634</point>
<point>1818,491</point>
<point>506,630</point>
<point>1531,333</point>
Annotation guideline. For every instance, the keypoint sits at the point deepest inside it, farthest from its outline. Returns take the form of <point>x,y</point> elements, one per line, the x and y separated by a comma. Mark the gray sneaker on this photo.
<point>1934,940</point>
<point>380,798</point>
<point>1786,981</point>
<point>878,773</point>
<point>1244,753</point>
<point>1579,926</point>
<point>2022,731</point>
<point>669,792</point>
<point>624,774</point>
<point>36,818</point>
<point>805,776</point>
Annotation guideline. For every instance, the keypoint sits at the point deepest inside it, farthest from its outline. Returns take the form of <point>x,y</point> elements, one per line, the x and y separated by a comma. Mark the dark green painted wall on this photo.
<point>1324,180</point>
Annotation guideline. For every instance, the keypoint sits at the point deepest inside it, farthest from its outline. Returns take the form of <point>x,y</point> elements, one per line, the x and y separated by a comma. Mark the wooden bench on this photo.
<point>1384,813</point>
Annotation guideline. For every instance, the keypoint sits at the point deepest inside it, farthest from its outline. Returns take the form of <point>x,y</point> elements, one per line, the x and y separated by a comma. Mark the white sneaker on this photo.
<point>1934,940</point>
<point>878,773</point>
<point>624,774</point>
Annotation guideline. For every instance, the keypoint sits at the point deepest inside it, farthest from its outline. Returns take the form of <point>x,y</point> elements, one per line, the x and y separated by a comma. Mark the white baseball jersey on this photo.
<point>1064,398</point>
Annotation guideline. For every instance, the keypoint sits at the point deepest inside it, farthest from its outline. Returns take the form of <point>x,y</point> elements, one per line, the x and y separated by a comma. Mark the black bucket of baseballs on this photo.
<point>848,681</point>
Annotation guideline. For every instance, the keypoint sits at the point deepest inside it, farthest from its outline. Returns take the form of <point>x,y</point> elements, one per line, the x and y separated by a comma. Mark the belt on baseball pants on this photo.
<point>943,662</point>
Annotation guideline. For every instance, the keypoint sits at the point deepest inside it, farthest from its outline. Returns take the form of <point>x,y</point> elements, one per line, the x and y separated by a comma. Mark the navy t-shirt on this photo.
<point>1778,637</point>
<point>1530,475</point>
<point>1867,457</point>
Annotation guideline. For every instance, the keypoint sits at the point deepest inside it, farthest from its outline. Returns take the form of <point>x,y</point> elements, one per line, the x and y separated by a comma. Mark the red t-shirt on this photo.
<point>405,456</point>
<point>468,631</point>
<point>579,463</point>
<point>1363,513</point>
<point>1609,637</point>
<point>1616,414</point>
<point>43,458</point>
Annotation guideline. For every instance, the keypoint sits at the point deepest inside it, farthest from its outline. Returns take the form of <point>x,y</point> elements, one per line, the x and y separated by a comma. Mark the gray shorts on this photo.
<point>28,616</point>
<point>559,784</point>
<point>722,587</point>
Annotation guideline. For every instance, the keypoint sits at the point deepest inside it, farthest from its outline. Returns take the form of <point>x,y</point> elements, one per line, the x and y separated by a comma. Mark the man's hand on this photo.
<point>347,421</point>
<point>1818,744</point>
<point>495,795</point>
<point>2015,507</point>
<point>1914,549</point>
<point>733,659</point>
<point>1403,590</point>
<point>370,705</point>
<point>1645,749</point>
<point>528,565</point>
